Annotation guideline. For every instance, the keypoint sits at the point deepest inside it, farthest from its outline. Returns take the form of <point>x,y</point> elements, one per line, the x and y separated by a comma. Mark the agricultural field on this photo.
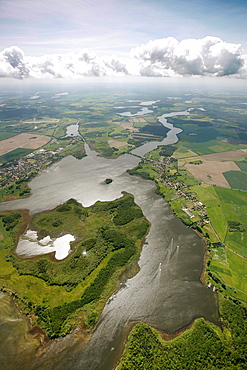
<point>217,168</point>
<point>97,116</point>
<point>227,213</point>
<point>6,135</point>
<point>14,155</point>
<point>26,141</point>
<point>237,180</point>
<point>212,172</point>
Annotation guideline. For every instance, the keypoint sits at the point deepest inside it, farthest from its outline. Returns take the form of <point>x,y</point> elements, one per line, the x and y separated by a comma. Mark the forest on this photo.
<point>202,346</point>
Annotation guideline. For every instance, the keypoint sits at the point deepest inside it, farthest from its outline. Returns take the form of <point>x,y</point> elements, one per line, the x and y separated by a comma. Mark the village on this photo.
<point>26,167</point>
<point>167,171</point>
<point>21,170</point>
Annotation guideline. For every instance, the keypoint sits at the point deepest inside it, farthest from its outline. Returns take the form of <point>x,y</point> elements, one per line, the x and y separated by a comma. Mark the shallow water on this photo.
<point>72,130</point>
<point>30,246</point>
<point>17,347</point>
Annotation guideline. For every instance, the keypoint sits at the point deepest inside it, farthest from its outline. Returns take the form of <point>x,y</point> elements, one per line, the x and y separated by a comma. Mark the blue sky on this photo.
<point>165,38</point>
<point>116,26</point>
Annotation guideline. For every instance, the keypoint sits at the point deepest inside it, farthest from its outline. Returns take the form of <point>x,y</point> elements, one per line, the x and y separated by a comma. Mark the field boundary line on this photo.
<point>238,254</point>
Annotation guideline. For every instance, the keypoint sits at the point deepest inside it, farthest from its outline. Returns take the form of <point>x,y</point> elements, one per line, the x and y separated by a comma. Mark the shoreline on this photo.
<point>166,336</point>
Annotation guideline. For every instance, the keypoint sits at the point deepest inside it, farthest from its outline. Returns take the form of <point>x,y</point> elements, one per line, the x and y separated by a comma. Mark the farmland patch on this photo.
<point>225,156</point>
<point>211,172</point>
<point>117,144</point>
<point>27,141</point>
<point>236,179</point>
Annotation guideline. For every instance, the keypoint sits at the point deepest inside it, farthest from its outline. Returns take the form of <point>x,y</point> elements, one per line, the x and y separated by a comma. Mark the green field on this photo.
<point>224,206</point>
<point>237,180</point>
<point>186,150</point>
<point>6,135</point>
<point>242,166</point>
<point>14,155</point>
<point>183,152</point>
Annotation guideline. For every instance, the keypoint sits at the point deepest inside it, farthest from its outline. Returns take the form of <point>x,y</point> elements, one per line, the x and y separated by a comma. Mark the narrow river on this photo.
<point>166,293</point>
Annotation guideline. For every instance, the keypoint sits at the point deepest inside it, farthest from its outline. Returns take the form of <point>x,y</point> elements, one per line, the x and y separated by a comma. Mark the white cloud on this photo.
<point>209,56</point>
<point>13,63</point>
<point>166,57</point>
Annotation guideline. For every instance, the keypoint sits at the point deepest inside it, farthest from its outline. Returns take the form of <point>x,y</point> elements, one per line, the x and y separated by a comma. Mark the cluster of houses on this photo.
<point>180,188</point>
<point>21,169</point>
<point>35,161</point>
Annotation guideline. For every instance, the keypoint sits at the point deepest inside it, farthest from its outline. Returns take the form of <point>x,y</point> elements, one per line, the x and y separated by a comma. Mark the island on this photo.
<point>108,181</point>
<point>60,294</point>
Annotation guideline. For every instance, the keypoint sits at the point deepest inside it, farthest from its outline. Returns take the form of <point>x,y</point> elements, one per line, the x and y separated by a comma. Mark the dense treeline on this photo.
<point>17,113</point>
<point>157,130</point>
<point>167,150</point>
<point>11,223</point>
<point>236,226</point>
<point>234,314</point>
<point>204,346</point>
<point>10,220</point>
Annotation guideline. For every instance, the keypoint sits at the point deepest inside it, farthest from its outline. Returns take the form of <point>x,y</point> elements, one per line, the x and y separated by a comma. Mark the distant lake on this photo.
<point>72,130</point>
<point>142,111</point>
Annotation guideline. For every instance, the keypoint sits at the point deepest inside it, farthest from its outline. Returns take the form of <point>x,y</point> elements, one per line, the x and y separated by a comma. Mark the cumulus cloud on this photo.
<point>166,57</point>
<point>75,65</point>
<point>209,56</point>
<point>13,63</point>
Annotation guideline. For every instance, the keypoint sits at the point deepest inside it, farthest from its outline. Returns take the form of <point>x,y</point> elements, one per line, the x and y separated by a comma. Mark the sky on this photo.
<point>163,38</point>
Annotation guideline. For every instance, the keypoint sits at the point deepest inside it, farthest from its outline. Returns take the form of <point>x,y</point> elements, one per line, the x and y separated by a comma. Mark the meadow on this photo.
<point>237,180</point>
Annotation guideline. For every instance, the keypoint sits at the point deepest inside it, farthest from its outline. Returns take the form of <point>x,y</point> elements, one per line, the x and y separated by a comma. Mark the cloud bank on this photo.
<point>165,57</point>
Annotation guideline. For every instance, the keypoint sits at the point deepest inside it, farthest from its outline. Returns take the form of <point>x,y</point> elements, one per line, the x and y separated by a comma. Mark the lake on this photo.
<point>166,293</point>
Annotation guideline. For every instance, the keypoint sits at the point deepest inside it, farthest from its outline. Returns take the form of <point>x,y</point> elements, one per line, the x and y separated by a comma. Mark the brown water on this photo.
<point>17,346</point>
<point>166,293</point>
